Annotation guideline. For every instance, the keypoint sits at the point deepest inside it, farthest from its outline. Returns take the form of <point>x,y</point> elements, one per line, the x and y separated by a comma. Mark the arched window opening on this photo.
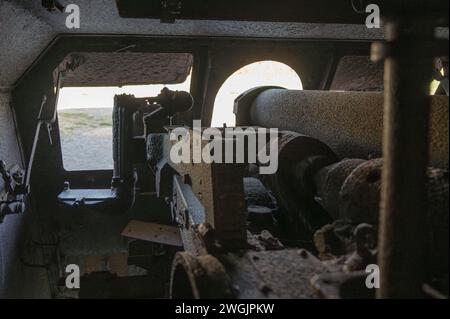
<point>253,75</point>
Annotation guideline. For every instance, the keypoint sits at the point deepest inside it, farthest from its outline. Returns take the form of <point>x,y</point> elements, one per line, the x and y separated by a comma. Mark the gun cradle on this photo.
<point>221,211</point>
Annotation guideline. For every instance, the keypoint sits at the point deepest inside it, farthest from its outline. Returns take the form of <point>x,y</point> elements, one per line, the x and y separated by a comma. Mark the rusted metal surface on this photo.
<point>438,223</point>
<point>334,240</point>
<point>128,68</point>
<point>116,264</point>
<point>258,198</point>
<point>300,157</point>
<point>342,286</point>
<point>198,277</point>
<point>358,73</point>
<point>219,189</point>
<point>104,285</point>
<point>365,239</point>
<point>346,246</point>
<point>190,214</point>
<point>408,69</point>
<point>329,181</point>
<point>350,190</point>
<point>157,233</point>
<point>360,193</point>
<point>350,123</point>
<point>274,274</point>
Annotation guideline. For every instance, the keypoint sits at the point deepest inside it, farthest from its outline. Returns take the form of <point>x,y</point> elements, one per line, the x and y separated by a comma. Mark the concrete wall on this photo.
<point>16,280</point>
<point>26,29</point>
<point>9,148</point>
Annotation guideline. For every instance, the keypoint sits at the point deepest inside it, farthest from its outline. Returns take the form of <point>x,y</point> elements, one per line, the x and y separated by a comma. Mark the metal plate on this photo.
<point>128,68</point>
<point>274,274</point>
<point>156,233</point>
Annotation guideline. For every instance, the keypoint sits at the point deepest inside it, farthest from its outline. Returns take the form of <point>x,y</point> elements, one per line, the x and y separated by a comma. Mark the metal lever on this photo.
<point>49,133</point>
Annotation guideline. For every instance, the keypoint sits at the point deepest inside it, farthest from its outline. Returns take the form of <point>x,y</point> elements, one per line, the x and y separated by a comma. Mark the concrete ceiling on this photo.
<point>26,29</point>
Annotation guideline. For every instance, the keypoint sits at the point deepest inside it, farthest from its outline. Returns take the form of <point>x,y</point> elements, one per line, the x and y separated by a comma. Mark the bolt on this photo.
<point>265,289</point>
<point>186,218</point>
<point>66,186</point>
<point>303,253</point>
<point>236,289</point>
<point>187,179</point>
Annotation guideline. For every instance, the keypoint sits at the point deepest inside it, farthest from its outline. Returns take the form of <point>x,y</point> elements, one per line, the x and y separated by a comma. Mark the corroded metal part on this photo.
<point>357,73</point>
<point>300,157</point>
<point>351,189</point>
<point>329,181</point>
<point>359,195</point>
<point>335,118</point>
<point>334,240</point>
<point>365,238</point>
<point>273,274</point>
<point>261,205</point>
<point>219,189</point>
<point>198,277</point>
<point>437,225</point>
<point>157,233</point>
<point>406,145</point>
<point>340,285</point>
<point>127,68</point>
<point>189,213</point>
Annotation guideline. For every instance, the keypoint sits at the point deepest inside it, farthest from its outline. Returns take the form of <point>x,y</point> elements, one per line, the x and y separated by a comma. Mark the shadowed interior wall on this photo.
<point>16,280</point>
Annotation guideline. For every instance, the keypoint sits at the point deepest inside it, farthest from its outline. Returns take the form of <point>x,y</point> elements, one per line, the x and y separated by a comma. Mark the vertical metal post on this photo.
<point>408,67</point>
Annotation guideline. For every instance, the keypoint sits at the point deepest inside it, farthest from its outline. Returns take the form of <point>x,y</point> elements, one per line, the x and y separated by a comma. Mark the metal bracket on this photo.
<point>157,233</point>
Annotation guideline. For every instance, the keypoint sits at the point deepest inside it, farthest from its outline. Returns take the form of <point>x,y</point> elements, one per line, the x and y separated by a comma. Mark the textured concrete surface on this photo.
<point>26,29</point>
<point>23,37</point>
<point>16,280</point>
<point>101,16</point>
<point>9,149</point>
<point>351,123</point>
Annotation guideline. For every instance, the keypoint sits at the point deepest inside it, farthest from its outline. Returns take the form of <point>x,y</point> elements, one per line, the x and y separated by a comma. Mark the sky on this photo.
<point>251,76</point>
<point>103,97</point>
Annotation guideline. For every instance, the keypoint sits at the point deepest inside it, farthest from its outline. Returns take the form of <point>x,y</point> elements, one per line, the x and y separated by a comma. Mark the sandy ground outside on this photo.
<point>86,138</point>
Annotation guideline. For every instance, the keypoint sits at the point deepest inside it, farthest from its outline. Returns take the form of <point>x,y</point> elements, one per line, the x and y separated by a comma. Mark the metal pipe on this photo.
<point>408,67</point>
<point>350,123</point>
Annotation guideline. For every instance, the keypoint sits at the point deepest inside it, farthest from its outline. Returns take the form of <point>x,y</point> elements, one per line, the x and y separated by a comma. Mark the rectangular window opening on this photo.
<point>85,122</point>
